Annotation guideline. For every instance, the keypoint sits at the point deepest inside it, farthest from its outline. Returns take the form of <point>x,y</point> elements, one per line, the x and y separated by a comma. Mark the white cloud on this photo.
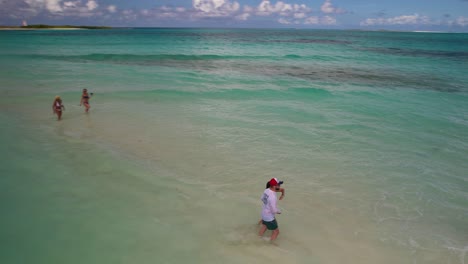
<point>112,8</point>
<point>462,21</point>
<point>328,20</point>
<point>167,14</point>
<point>144,12</point>
<point>299,15</point>
<point>288,13</point>
<point>265,8</point>
<point>215,8</point>
<point>373,21</point>
<point>53,5</point>
<point>60,8</point>
<point>128,15</point>
<point>91,4</point>
<point>248,9</point>
<point>67,5</point>
<point>415,19</point>
<point>161,13</point>
<point>313,20</point>
<point>328,8</point>
<point>279,11</point>
<point>409,20</point>
<point>325,20</point>
<point>243,16</point>
<point>165,9</point>
<point>36,6</point>
<point>284,21</point>
<point>233,7</point>
<point>207,5</point>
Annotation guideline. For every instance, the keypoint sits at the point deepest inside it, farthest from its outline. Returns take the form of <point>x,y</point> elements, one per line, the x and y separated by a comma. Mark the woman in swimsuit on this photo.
<point>85,99</point>
<point>57,107</point>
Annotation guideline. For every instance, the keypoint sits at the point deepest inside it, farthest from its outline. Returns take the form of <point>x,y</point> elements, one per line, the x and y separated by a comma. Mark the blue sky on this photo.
<point>433,15</point>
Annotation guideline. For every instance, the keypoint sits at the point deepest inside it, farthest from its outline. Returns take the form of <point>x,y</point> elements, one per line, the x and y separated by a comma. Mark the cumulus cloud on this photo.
<point>328,20</point>
<point>70,4</point>
<point>242,17</point>
<point>144,12</point>
<point>129,15</point>
<point>414,19</point>
<point>166,13</point>
<point>328,8</point>
<point>285,13</point>
<point>299,15</point>
<point>53,5</point>
<point>207,5</point>
<point>462,21</point>
<point>91,4</point>
<point>265,8</point>
<point>159,13</point>
<point>59,7</point>
<point>288,13</point>
<point>284,21</point>
<point>229,10</point>
<point>325,20</point>
<point>295,13</point>
<point>112,8</point>
<point>248,9</point>
<point>313,20</point>
<point>215,8</point>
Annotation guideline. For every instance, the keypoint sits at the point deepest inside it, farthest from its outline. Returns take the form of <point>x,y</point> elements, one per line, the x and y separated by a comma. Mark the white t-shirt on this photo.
<point>269,208</point>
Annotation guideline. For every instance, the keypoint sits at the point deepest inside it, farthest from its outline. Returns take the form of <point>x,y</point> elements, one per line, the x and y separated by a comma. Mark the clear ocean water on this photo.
<point>368,130</point>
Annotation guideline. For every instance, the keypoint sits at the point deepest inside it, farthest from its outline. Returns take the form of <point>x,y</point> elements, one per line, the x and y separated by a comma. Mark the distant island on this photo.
<point>42,26</point>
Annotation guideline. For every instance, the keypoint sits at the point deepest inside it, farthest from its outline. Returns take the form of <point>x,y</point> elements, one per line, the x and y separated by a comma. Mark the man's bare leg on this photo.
<point>275,234</point>
<point>262,230</point>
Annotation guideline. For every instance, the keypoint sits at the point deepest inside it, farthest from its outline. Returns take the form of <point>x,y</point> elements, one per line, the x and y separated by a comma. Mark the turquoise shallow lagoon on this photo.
<point>368,130</point>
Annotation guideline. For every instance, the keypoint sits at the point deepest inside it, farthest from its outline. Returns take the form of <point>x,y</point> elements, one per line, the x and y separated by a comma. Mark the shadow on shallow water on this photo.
<point>263,66</point>
<point>454,55</point>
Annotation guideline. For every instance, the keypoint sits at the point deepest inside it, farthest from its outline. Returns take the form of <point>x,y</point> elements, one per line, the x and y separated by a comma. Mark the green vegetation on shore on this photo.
<point>65,26</point>
<point>43,26</point>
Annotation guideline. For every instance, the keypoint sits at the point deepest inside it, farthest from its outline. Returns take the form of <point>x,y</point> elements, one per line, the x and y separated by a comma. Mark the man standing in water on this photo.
<point>269,210</point>
<point>277,189</point>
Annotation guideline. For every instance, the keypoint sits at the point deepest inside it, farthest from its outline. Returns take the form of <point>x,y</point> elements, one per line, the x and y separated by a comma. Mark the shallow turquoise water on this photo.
<point>367,129</point>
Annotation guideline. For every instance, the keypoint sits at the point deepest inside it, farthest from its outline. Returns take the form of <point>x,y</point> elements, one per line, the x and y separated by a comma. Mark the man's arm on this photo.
<point>281,190</point>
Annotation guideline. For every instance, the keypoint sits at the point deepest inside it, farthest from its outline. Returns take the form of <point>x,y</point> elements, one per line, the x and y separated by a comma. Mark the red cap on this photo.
<point>273,182</point>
